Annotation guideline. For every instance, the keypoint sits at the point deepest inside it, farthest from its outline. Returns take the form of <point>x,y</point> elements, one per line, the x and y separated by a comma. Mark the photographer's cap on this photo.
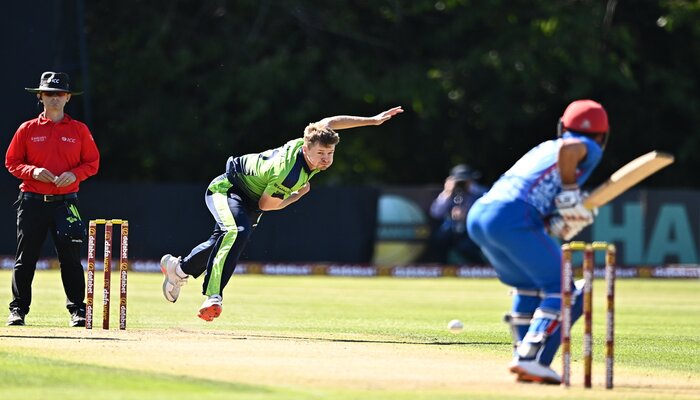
<point>463,172</point>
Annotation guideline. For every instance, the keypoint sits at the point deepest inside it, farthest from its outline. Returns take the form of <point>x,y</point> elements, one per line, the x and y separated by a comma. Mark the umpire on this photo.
<point>51,154</point>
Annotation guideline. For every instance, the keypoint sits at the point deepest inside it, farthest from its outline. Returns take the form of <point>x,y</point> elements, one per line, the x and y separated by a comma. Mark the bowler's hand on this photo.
<point>65,179</point>
<point>43,175</point>
<point>386,115</point>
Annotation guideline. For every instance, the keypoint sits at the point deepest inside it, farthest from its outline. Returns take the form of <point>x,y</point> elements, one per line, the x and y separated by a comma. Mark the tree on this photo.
<point>190,83</point>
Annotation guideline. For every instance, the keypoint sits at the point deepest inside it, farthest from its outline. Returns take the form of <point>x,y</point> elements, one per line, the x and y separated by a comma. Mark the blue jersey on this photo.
<point>535,178</point>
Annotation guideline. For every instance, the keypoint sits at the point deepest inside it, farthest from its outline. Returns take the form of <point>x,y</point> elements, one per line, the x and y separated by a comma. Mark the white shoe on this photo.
<point>172,282</point>
<point>211,308</point>
<point>533,371</point>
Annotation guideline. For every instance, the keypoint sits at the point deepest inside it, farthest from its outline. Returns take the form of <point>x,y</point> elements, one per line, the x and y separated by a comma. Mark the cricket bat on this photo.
<point>629,175</point>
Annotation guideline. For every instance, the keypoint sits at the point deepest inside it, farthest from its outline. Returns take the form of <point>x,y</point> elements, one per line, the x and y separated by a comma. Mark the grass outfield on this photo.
<point>336,338</point>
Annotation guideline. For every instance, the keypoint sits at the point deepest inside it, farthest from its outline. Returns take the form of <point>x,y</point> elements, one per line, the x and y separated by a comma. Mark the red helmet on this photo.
<point>585,116</point>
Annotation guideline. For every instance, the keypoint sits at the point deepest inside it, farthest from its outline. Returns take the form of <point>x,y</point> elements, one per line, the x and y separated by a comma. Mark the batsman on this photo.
<point>251,185</point>
<point>537,198</point>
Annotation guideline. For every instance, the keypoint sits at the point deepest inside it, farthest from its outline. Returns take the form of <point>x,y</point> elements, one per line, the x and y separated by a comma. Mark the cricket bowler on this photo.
<point>251,185</point>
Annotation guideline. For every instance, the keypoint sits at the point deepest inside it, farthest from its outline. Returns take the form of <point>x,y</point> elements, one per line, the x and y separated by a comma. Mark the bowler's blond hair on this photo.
<point>319,133</point>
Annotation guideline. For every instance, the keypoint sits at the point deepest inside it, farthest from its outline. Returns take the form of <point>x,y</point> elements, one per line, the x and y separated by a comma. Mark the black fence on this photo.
<point>328,224</point>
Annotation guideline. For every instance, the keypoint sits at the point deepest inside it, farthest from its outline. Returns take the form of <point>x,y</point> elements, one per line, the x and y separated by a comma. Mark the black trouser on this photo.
<point>36,217</point>
<point>223,249</point>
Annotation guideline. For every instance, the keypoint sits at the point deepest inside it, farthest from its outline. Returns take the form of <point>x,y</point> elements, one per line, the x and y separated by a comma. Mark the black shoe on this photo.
<point>77,318</point>
<point>16,317</point>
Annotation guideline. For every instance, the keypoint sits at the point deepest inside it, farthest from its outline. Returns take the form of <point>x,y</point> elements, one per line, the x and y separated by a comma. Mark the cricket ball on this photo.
<point>455,326</point>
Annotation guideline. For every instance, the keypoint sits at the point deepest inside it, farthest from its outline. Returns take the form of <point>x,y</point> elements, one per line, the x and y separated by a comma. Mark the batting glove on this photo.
<point>569,203</point>
<point>556,226</point>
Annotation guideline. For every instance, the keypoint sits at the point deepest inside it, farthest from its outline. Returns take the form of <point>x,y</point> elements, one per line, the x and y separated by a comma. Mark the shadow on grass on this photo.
<point>341,340</point>
<point>346,340</point>
<point>51,376</point>
<point>59,337</point>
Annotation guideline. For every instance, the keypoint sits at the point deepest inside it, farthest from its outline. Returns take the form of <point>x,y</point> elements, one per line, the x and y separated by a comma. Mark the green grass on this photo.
<point>657,335</point>
<point>31,377</point>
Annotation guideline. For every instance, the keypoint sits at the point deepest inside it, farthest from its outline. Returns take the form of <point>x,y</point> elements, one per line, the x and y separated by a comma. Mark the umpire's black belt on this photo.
<point>48,198</point>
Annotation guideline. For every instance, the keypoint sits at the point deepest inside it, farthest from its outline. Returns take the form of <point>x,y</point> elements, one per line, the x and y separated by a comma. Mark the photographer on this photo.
<point>449,209</point>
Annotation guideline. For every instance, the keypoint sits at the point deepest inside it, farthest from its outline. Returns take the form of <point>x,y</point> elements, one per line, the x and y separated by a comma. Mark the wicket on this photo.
<point>588,250</point>
<point>123,265</point>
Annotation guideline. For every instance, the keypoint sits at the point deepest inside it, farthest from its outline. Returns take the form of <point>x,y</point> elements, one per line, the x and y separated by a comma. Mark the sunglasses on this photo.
<point>54,94</point>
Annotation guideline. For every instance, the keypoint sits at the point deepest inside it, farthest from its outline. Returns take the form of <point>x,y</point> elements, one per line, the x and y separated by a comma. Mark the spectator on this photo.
<point>449,237</point>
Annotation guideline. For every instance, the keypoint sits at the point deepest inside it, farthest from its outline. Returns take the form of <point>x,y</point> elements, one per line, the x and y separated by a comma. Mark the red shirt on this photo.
<point>61,146</point>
